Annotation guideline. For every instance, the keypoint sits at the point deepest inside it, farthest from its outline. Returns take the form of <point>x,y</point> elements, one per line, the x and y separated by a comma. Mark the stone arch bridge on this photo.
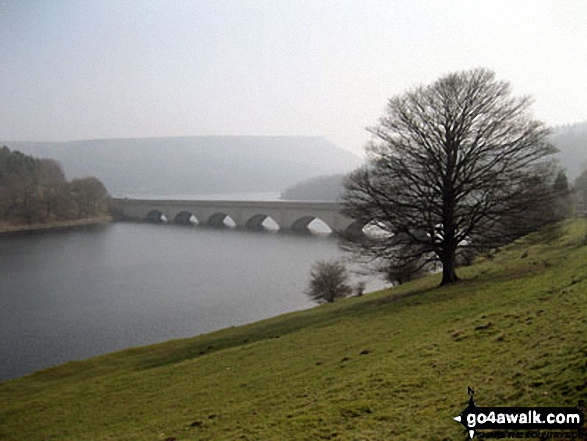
<point>289,215</point>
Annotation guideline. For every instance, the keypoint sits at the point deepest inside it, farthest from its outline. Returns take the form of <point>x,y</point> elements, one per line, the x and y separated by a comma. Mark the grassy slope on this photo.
<point>390,365</point>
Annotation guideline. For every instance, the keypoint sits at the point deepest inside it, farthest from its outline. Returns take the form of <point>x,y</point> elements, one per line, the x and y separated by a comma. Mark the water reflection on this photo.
<point>71,295</point>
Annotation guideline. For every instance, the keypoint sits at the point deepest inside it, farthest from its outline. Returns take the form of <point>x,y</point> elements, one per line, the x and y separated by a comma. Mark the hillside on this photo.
<point>393,365</point>
<point>196,165</point>
<point>321,188</point>
<point>571,140</point>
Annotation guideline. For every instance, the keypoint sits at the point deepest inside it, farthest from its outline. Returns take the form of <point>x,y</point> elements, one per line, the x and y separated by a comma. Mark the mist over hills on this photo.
<point>196,165</point>
<point>235,164</point>
<point>571,140</point>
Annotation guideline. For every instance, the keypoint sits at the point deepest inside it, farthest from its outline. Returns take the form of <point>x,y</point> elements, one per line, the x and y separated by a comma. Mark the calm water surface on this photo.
<point>71,295</point>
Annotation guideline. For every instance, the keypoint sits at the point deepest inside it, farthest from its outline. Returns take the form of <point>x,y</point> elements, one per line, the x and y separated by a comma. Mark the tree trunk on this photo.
<point>449,274</point>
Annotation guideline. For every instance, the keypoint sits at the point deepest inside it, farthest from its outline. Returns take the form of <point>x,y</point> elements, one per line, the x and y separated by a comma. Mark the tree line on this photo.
<point>34,190</point>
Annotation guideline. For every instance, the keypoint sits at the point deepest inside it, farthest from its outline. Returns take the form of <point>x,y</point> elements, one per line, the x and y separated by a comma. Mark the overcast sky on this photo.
<point>86,69</point>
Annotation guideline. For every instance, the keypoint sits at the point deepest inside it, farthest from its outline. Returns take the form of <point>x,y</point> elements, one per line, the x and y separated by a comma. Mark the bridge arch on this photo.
<point>303,225</point>
<point>221,220</point>
<point>156,217</point>
<point>185,218</point>
<point>376,229</point>
<point>357,228</point>
<point>261,222</point>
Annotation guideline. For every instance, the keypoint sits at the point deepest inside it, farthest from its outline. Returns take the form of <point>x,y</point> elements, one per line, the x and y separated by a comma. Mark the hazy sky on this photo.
<point>85,69</point>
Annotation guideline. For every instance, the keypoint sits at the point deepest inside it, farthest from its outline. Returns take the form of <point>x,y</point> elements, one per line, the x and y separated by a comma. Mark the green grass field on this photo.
<point>393,365</point>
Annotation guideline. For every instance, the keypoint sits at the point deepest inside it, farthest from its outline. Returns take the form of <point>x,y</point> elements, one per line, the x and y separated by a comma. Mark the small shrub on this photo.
<point>360,288</point>
<point>405,272</point>
<point>328,282</point>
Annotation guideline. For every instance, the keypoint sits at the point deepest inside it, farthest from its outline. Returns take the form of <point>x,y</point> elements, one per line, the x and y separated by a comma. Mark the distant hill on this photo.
<point>196,165</point>
<point>321,188</point>
<point>572,142</point>
<point>570,139</point>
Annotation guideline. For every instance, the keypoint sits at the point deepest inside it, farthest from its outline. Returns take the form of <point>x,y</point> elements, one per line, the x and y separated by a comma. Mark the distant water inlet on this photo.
<point>253,215</point>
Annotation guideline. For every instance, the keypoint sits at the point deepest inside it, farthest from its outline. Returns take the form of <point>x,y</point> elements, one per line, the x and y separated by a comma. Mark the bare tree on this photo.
<point>458,163</point>
<point>328,282</point>
<point>90,196</point>
<point>49,173</point>
<point>52,186</point>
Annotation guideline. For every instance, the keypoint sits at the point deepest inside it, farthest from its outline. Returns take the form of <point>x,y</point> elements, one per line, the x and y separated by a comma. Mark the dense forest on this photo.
<point>34,190</point>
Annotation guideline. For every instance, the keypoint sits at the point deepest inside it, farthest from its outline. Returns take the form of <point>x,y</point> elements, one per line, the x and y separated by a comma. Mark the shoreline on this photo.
<point>8,229</point>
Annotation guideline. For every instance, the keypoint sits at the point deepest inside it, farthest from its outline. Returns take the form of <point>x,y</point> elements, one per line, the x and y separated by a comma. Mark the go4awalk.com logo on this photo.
<point>519,418</point>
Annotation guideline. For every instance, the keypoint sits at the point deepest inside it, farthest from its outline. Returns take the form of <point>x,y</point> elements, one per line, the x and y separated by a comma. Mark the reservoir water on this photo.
<point>75,294</point>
